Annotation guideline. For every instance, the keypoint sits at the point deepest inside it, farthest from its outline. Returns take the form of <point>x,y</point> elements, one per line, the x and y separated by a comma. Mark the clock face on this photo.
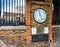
<point>40,15</point>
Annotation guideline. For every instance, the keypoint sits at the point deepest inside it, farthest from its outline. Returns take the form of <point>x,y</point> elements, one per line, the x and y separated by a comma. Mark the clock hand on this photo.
<point>40,15</point>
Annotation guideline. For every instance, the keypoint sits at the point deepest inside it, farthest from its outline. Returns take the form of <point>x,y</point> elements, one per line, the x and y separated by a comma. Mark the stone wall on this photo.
<point>56,37</point>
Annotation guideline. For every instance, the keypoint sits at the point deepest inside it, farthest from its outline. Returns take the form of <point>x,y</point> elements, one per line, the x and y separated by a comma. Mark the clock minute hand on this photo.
<point>40,15</point>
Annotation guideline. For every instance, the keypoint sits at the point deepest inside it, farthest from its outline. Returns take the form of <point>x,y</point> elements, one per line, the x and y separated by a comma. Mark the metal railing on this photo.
<point>12,12</point>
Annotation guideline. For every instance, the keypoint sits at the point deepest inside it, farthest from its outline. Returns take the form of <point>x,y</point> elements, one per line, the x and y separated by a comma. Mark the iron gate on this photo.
<point>12,12</point>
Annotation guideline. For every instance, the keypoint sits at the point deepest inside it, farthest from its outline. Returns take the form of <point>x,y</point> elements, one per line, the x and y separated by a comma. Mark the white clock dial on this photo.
<point>40,15</point>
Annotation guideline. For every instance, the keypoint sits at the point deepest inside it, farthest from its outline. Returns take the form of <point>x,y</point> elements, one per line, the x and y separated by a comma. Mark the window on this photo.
<point>34,30</point>
<point>12,12</point>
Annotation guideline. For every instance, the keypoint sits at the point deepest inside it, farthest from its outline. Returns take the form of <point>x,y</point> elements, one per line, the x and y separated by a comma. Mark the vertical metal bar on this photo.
<point>6,12</point>
<point>22,11</point>
<point>17,7</point>
<point>0,14</point>
<point>11,16</point>
<point>0,8</point>
<point>25,12</point>
<point>13,10</point>
<point>9,12</point>
<point>3,11</point>
<point>17,10</point>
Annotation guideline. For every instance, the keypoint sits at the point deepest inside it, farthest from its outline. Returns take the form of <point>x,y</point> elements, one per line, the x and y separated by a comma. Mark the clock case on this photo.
<point>44,6</point>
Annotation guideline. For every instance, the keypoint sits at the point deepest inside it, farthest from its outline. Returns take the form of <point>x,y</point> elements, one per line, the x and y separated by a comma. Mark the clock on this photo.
<point>40,15</point>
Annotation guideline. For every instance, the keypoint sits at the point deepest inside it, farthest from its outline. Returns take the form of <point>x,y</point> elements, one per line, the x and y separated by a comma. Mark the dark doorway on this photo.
<point>56,13</point>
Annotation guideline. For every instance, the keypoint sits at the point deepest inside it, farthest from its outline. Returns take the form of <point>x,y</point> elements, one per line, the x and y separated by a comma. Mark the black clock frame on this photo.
<point>34,18</point>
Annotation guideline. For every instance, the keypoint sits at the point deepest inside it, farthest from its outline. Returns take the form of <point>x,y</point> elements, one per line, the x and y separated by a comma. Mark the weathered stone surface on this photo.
<point>56,37</point>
